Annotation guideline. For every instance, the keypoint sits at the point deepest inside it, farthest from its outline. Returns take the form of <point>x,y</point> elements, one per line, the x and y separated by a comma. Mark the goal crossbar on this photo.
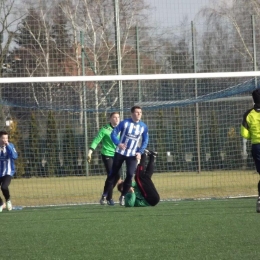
<point>132,77</point>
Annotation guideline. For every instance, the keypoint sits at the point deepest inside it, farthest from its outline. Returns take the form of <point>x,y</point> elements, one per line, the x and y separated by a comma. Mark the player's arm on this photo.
<point>130,198</point>
<point>244,128</point>
<point>95,143</point>
<point>145,139</point>
<point>115,133</point>
<point>11,151</point>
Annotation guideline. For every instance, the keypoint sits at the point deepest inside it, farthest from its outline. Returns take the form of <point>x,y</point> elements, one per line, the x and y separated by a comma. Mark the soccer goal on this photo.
<point>193,121</point>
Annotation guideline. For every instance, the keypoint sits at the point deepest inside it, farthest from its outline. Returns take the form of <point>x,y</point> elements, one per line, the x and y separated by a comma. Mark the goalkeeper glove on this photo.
<point>89,155</point>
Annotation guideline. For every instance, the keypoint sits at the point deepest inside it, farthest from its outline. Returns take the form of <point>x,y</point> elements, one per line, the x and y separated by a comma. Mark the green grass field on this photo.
<point>207,229</point>
<point>80,190</point>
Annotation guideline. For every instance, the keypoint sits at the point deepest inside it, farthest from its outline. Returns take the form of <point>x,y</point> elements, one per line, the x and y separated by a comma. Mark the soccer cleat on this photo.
<point>258,205</point>
<point>146,152</point>
<point>150,153</point>
<point>103,200</point>
<point>122,200</point>
<point>3,206</point>
<point>9,205</point>
<point>154,154</point>
<point>110,202</point>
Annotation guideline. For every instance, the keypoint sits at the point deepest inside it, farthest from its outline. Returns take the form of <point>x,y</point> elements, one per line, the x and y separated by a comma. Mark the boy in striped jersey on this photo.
<point>131,131</point>
<point>7,168</point>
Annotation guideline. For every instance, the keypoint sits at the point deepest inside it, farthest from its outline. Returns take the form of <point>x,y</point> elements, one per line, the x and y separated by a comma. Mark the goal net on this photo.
<point>193,120</point>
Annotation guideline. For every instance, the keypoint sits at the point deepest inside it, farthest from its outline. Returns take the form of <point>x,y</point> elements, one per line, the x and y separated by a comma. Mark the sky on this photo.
<point>168,13</point>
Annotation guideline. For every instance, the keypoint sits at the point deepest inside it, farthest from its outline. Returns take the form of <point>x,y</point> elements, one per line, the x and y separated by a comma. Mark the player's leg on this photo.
<point>150,166</point>
<point>2,204</point>
<point>256,157</point>
<point>148,189</point>
<point>130,170</point>
<point>140,169</point>
<point>108,162</point>
<point>6,180</point>
<point>113,174</point>
<point>145,183</point>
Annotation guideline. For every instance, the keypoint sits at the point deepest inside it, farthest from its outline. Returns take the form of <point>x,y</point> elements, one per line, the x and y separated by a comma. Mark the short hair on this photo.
<point>3,133</point>
<point>114,113</point>
<point>134,108</point>
<point>256,96</point>
<point>120,186</point>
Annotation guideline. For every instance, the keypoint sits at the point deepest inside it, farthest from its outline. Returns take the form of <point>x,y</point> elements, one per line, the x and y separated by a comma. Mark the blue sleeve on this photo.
<point>115,132</point>
<point>145,139</point>
<point>11,151</point>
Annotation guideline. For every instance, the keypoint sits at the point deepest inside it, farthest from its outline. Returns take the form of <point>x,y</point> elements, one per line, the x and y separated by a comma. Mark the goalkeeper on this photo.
<point>107,151</point>
<point>142,192</point>
<point>250,129</point>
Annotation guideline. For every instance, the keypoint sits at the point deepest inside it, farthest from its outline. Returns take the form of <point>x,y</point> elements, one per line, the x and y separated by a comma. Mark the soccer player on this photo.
<point>250,129</point>
<point>107,151</point>
<point>142,193</point>
<point>131,131</point>
<point>7,168</point>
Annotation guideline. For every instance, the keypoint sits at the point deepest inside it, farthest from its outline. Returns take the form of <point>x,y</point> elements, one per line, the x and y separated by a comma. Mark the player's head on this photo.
<point>256,96</point>
<point>136,113</point>
<point>114,118</point>
<point>3,138</point>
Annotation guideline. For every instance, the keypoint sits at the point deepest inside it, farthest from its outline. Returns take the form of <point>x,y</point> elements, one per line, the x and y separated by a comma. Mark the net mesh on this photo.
<point>201,153</point>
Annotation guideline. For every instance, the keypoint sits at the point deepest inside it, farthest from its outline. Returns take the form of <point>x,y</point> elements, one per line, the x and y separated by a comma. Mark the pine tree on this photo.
<point>161,141</point>
<point>215,158</point>
<point>233,150</point>
<point>34,157</point>
<point>52,145</point>
<point>62,40</point>
<point>70,154</point>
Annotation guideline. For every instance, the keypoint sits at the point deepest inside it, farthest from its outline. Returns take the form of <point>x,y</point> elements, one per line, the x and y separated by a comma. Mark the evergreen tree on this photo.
<point>52,145</point>
<point>233,150</point>
<point>62,40</point>
<point>34,157</point>
<point>161,142</point>
<point>215,158</point>
<point>70,154</point>
<point>177,135</point>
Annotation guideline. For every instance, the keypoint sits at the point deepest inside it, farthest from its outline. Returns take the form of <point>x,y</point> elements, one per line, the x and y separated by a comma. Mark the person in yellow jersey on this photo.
<point>250,130</point>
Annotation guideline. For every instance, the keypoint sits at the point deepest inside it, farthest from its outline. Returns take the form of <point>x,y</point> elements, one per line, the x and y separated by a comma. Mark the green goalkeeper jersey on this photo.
<point>108,147</point>
<point>135,199</point>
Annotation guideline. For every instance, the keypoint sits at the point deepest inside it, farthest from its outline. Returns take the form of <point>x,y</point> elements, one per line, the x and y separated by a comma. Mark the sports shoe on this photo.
<point>152,153</point>
<point>9,205</point>
<point>3,206</point>
<point>122,200</point>
<point>110,202</point>
<point>258,205</point>
<point>103,200</point>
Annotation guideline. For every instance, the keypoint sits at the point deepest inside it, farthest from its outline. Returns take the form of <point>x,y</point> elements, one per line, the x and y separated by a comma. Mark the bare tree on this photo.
<point>229,30</point>
<point>96,20</point>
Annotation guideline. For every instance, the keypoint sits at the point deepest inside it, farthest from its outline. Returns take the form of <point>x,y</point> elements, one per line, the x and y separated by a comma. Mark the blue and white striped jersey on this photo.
<point>130,134</point>
<point>7,156</point>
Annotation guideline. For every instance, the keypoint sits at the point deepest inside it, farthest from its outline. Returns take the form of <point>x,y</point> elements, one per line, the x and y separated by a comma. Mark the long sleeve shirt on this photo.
<point>135,199</point>
<point>7,156</point>
<point>131,134</point>
<point>250,127</point>
<point>103,136</point>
